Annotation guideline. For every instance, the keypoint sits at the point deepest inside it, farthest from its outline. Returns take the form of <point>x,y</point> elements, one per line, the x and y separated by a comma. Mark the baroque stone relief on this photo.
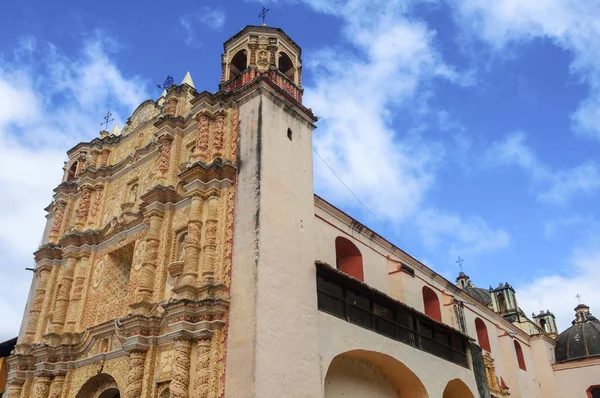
<point>146,111</point>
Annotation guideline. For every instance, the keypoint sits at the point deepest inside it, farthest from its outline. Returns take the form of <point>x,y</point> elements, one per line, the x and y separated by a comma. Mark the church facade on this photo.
<point>186,255</point>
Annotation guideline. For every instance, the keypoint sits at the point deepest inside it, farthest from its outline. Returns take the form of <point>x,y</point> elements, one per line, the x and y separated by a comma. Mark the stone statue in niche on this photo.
<point>133,193</point>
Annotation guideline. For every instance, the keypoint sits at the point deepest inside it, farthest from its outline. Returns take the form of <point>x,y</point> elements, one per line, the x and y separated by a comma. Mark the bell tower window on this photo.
<point>286,66</point>
<point>72,171</point>
<point>238,64</point>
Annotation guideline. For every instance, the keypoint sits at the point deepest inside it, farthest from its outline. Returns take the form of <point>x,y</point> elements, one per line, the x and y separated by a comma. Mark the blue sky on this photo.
<point>467,128</point>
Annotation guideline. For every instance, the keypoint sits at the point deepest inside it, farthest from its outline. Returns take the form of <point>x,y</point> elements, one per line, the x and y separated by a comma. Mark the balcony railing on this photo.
<point>420,333</point>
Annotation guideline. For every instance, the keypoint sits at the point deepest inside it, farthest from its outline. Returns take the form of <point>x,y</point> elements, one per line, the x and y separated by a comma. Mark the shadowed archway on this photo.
<point>100,386</point>
<point>361,373</point>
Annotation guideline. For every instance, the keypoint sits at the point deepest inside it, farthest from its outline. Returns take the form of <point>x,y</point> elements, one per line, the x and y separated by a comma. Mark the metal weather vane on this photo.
<point>263,15</point>
<point>167,83</point>
<point>107,119</point>
<point>578,297</point>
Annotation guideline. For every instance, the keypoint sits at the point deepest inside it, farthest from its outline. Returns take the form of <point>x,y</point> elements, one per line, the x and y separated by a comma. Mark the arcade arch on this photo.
<point>456,388</point>
<point>361,373</point>
<point>431,303</point>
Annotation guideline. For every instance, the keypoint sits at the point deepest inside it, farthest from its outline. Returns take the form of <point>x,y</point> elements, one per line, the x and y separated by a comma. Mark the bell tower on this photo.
<point>273,274</point>
<point>262,50</point>
<point>546,321</point>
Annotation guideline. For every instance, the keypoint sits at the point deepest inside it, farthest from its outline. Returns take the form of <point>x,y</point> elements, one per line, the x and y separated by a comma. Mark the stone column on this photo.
<point>201,383</point>
<point>186,288</point>
<point>223,68</point>
<point>210,241</point>
<point>38,301</point>
<point>181,368</point>
<point>148,270</point>
<point>164,160</point>
<point>41,386</point>
<point>104,159</point>
<point>95,206</point>
<point>80,164</point>
<point>57,386</point>
<point>73,313</point>
<point>219,134</point>
<point>203,138</point>
<point>59,214</point>
<point>15,387</point>
<point>63,294</point>
<point>135,377</point>
<point>84,206</point>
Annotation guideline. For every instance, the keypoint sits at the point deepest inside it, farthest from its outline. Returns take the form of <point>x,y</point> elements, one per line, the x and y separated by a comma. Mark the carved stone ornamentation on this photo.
<point>104,158</point>
<point>165,157</point>
<point>38,302</point>
<point>203,138</point>
<point>56,387</point>
<point>15,387</point>
<point>201,382</point>
<point>41,387</point>
<point>95,208</point>
<point>135,376</point>
<point>84,205</point>
<point>58,219</point>
<point>181,369</point>
<point>219,134</point>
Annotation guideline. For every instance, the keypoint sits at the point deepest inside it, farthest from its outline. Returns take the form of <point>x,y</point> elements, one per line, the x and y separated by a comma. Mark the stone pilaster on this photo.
<point>59,214</point>
<point>56,387</point>
<point>76,292</point>
<point>210,241</point>
<point>201,382</point>
<point>181,368</point>
<point>81,160</point>
<point>145,290</point>
<point>63,294</point>
<point>38,302</point>
<point>15,387</point>
<point>84,206</point>
<point>135,377</point>
<point>41,386</point>
<point>186,288</point>
<point>95,157</point>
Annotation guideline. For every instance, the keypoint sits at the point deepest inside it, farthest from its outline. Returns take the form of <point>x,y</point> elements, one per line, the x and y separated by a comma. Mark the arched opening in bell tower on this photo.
<point>72,171</point>
<point>238,64</point>
<point>286,66</point>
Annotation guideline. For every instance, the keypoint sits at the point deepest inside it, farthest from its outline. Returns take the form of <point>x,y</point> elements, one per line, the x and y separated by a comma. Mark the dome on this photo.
<point>479,294</point>
<point>580,341</point>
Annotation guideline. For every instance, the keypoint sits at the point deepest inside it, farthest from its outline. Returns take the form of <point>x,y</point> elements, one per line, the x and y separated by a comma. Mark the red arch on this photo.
<point>348,258</point>
<point>432,304</point>
<point>482,335</point>
<point>520,358</point>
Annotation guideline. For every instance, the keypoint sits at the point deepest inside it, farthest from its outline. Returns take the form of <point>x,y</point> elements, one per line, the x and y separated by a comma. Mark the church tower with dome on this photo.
<point>187,256</point>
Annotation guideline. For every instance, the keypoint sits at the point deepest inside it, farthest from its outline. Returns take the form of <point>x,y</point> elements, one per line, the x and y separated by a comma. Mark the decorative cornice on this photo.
<point>216,170</point>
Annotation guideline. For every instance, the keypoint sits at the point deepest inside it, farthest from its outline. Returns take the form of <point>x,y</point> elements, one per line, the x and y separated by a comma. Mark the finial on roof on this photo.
<point>116,130</point>
<point>263,15</point>
<point>188,80</point>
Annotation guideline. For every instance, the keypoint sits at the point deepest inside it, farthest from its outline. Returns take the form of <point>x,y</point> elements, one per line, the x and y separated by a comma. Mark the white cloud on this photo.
<point>571,24</point>
<point>554,186</point>
<point>556,292</point>
<point>210,17</point>
<point>469,236</point>
<point>50,102</point>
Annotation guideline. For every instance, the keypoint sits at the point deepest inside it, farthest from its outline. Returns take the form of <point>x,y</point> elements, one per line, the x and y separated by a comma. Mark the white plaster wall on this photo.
<point>572,382</point>
<point>337,336</point>
<point>542,358</point>
<point>355,378</point>
<point>287,357</point>
<point>374,264</point>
